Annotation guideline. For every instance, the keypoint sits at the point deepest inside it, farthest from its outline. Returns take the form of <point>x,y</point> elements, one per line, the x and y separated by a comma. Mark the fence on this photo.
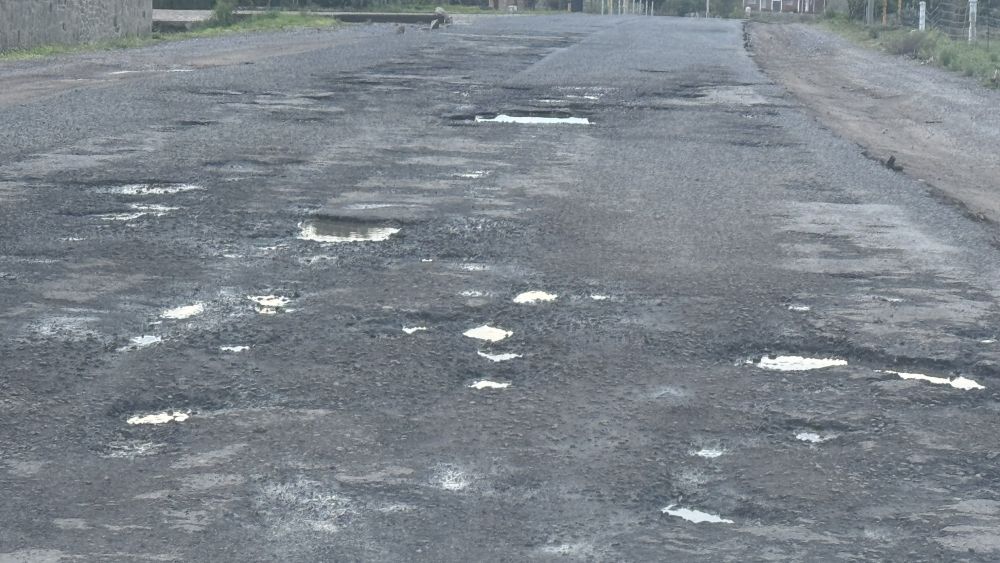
<point>951,17</point>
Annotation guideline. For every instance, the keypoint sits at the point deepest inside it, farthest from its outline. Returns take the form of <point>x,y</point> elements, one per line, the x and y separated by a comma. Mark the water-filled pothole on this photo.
<point>533,118</point>
<point>331,229</point>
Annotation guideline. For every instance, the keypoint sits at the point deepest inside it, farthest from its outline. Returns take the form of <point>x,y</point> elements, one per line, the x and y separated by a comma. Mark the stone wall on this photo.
<point>29,23</point>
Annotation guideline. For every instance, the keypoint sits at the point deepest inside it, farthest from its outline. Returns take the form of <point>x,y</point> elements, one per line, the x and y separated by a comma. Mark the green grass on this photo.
<point>932,47</point>
<point>260,23</point>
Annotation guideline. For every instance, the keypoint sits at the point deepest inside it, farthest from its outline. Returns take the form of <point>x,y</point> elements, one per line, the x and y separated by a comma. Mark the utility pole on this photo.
<point>922,25</point>
<point>885,13</point>
<point>706,7</point>
<point>870,12</point>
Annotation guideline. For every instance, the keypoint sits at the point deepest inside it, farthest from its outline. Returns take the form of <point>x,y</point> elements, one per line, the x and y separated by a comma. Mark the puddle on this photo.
<point>149,71</point>
<point>532,120</point>
<point>426,259</point>
<point>338,230</point>
<point>534,297</point>
<point>270,304</point>
<point>487,332</point>
<point>709,453</point>
<point>160,418</point>
<point>129,449</point>
<point>475,174</point>
<point>812,437</point>
<point>153,209</point>
<point>499,357</point>
<point>452,479</point>
<point>183,312</point>
<point>473,293</point>
<point>142,341</point>
<point>798,363</point>
<point>121,216</point>
<point>140,211</point>
<point>599,297</point>
<point>695,516</point>
<point>800,308</point>
<point>234,348</point>
<point>487,384</point>
<point>413,329</point>
<point>963,383</point>
<point>474,267</point>
<point>151,189</point>
<point>988,341</point>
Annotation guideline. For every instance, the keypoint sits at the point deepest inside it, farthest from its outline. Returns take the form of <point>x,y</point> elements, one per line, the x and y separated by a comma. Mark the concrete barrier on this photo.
<point>29,23</point>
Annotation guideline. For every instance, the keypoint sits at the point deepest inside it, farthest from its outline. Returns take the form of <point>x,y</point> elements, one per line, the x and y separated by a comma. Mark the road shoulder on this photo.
<point>942,129</point>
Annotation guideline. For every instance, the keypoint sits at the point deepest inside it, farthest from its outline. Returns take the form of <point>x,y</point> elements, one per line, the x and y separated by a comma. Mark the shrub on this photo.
<point>910,44</point>
<point>224,12</point>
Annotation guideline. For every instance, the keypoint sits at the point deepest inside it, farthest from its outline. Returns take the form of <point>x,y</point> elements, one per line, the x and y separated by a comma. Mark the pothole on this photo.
<point>534,297</point>
<point>332,230</point>
<point>499,357</point>
<point>813,437</point>
<point>963,383</point>
<point>270,304</point>
<point>487,384</point>
<point>797,363</point>
<point>137,342</point>
<point>532,118</point>
<point>151,189</point>
<point>488,333</point>
<point>183,312</point>
<point>159,418</point>
<point>692,515</point>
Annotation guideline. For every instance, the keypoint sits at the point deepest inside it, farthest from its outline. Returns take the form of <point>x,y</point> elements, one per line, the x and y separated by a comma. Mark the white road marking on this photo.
<point>412,329</point>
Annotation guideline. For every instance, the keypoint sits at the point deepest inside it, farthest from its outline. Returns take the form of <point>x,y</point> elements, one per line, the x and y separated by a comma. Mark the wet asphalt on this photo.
<point>201,361</point>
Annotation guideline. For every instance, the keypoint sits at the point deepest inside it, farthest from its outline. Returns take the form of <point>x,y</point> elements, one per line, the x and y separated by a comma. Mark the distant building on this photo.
<point>793,6</point>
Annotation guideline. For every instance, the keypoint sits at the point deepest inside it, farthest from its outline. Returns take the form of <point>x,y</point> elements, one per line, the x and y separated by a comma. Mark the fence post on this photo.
<point>923,15</point>
<point>972,21</point>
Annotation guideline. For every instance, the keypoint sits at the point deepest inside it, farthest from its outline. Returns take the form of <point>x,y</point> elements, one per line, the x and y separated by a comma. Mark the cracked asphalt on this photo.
<point>201,359</point>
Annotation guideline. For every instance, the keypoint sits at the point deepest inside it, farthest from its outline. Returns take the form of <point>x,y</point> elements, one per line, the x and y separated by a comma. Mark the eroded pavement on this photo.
<point>311,309</point>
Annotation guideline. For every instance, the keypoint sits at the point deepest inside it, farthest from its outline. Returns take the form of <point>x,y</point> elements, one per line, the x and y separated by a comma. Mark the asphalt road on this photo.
<point>700,229</point>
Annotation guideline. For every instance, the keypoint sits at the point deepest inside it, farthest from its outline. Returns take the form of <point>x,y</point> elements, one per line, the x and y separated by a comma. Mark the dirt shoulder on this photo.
<point>942,128</point>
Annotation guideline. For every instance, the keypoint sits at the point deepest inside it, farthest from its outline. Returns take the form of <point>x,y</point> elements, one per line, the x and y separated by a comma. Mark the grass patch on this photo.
<point>256,23</point>
<point>932,47</point>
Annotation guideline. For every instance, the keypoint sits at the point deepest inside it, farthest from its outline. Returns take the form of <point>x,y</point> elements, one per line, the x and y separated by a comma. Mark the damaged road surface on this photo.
<point>522,289</point>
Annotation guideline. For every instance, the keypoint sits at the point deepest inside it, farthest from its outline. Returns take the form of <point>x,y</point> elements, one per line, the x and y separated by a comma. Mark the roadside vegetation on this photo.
<point>224,21</point>
<point>931,47</point>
